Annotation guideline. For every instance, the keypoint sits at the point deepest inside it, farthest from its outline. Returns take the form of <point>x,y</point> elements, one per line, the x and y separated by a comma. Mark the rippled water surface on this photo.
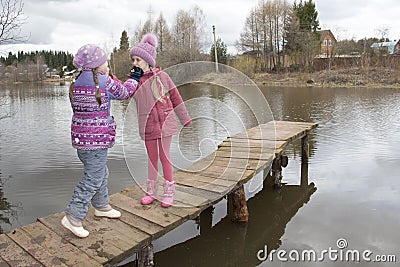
<point>352,192</point>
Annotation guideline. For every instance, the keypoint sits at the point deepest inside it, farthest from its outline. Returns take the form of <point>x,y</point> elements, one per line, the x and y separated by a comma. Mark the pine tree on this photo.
<point>307,15</point>
<point>124,41</point>
<point>221,52</point>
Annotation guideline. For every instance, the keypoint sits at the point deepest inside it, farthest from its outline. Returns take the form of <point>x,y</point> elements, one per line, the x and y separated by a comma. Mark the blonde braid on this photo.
<point>96,82</point>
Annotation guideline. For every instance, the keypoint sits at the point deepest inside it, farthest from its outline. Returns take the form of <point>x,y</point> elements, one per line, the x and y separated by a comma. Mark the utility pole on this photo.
<point>215,50</point>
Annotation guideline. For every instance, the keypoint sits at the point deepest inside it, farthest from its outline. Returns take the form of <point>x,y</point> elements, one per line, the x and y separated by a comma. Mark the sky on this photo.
<point>66,25</point>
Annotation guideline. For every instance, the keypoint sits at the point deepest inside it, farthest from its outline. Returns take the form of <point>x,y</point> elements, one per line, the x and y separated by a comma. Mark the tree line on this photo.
<point>53,59</point>
<point>276,36</point>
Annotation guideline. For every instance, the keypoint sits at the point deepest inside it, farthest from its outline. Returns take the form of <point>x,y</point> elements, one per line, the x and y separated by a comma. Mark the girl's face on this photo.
<point>139,62</point>
<point>104,68</point>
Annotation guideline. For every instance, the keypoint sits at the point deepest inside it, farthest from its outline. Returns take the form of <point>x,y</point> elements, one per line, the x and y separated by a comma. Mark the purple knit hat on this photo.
<point>146,49</point>
<point>89,56</point>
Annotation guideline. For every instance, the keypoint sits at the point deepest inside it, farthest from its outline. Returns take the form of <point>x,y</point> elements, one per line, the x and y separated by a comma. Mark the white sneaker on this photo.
<point>79,231</point>
<point>112,214</point>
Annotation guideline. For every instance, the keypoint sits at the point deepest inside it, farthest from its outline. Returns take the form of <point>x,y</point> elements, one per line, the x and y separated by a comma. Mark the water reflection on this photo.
<point>229,244</point>
<point>7,210</point>
<point>354,159</point>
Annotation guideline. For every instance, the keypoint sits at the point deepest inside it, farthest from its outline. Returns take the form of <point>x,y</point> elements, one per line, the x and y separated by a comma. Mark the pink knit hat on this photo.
<point>146,49</point>
<point>89,56</point>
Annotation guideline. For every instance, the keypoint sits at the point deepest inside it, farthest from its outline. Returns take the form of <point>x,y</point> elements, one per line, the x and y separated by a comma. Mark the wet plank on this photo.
<point>33,247</point>
<point>97,246</point>
<point>153,213</point>
<point>46,240</point>
<point>14,255</point>
<point>150,228</point>
<point>3,263</point>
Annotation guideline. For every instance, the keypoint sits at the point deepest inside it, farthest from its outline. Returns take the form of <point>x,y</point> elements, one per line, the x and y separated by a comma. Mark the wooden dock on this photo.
<point>237,159</point>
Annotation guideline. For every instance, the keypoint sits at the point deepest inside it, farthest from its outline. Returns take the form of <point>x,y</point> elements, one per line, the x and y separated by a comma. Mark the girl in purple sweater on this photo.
<point>92,133</point>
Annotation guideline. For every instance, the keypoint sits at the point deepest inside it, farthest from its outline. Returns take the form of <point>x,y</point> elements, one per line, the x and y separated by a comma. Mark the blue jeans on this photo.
<point>93,187</point>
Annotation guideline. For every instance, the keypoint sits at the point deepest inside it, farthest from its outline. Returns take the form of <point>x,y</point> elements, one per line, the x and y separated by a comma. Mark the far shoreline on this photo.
<point>344,78</point>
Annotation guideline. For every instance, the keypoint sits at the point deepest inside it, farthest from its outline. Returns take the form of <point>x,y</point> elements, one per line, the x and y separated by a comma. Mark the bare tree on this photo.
<point>163,34</point>
<point>263,33</point>
<point>249,36</point>
<point>383,33</point>
<point>187,34</point>
<point>11,20</point>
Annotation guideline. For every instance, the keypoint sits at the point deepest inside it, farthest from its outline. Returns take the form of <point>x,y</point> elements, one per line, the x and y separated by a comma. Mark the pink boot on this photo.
<point>151,194</point>
<point>169,191</point>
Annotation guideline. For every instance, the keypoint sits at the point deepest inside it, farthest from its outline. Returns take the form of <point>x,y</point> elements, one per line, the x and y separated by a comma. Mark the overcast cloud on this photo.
<point>68,24</point>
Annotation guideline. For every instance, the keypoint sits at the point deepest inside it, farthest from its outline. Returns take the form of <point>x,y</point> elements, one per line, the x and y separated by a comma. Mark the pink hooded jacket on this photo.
<point>156,118</point>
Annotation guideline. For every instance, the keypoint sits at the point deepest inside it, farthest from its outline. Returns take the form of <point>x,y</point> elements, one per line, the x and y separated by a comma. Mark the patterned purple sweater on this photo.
<point>92,125</point>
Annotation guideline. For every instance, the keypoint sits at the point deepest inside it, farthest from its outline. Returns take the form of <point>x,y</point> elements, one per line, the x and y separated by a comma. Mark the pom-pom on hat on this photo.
<point>89,56</point>
<point>146,49</point>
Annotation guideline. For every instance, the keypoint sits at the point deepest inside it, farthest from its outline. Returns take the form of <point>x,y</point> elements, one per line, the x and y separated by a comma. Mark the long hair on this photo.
<point>96,82</point>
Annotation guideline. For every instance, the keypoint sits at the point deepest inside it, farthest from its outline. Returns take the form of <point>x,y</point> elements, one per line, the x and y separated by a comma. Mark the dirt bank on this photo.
<point>372,77</point>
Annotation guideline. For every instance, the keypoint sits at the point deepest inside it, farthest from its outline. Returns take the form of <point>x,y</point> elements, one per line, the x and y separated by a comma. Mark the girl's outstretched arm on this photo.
<point>120,91</point>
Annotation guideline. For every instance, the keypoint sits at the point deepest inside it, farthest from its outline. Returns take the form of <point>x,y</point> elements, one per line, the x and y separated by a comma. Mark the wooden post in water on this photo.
<point>277,171</point>
<point>304,149</point>
<point>304,157</point>
<point>146,256</point>
<point>240,211</point>
<point>205,220</point>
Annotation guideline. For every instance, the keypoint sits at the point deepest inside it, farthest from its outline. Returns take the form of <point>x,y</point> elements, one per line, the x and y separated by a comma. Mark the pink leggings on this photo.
<point>153,147</point>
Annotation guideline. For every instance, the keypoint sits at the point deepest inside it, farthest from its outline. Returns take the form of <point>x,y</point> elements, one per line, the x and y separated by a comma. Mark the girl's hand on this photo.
<point>136,73</point>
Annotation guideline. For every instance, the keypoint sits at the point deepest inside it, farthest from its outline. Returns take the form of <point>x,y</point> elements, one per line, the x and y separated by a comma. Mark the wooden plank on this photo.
<point>183,177</point>
<point>150,228</point>
<point>238,142</point>
<point>14,255</point>
<point>23,239</point>
<point>192,182</point>
<point>154,212</point>
<point>181,199</point>
<point>208,162</point>
<point>115,230</point>
<point>95,245</point>
<point>231,174</point>
<point>264,155</point>
<point>249,150</point>
<point>193,191</point>
<point>49,241</point>
<point>306,125</point>
<point>281,131</point>
<point>3,263</point>
<point>136,193</point>
<point>204,182</point>
<point>202,163</point>
<point>248,164</point>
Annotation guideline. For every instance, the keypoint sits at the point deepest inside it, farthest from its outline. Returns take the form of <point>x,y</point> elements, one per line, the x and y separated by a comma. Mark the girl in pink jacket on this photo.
<point>157,101</point>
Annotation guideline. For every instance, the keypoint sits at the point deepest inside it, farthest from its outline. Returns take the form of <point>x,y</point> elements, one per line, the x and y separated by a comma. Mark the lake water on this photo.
<point>352,194</point>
